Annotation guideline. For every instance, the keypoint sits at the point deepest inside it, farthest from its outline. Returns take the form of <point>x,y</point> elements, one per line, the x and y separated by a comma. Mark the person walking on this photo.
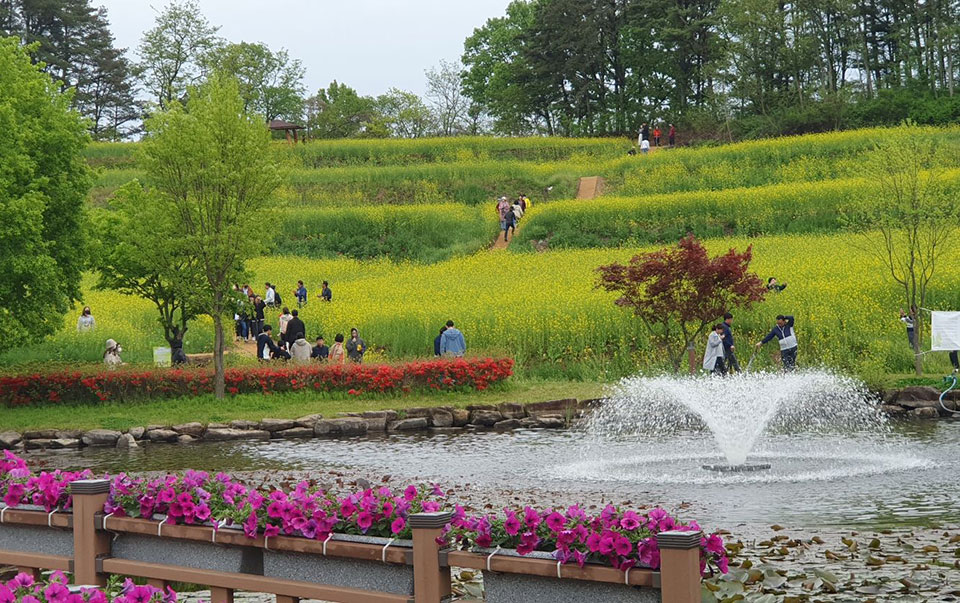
<point>325,293</point>
<point>295,329</point>
<point>452,343</point>
<point>356,347</point>
<point>301,294</point>
<point>729,354</point>
<point>713,355</point>
<point>320,352</point>
<point>337,355</point>
<point>503,206</point>
<point>510,224</point>
<point>517,208</point>
<point>787,336</point>
<point>436,341</point>
<point>907,319</point>
<point>86,322</point>
<point>270,296</point>
<point>656,136</point>
<point>672,135</point>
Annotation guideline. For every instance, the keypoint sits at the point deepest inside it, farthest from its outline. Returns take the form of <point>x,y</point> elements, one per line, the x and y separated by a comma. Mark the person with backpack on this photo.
<point>510,223</point>
<point>517,210</point>
<point>787,337</point>
<point>301,294</point>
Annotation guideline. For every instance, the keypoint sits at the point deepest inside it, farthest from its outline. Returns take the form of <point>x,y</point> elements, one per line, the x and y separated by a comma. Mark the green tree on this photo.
<point>211,165</point>
<point>339,112</point>
<point>912,223</point>
<point>271,83</point>
<point>445,92</point>
<point>43,183</point>
<point>173,51</point>
<point>140,250</point>
<point>405,114</point>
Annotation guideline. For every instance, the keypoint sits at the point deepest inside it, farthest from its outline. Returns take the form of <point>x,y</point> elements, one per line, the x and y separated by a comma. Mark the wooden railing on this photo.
<point>93,559</point>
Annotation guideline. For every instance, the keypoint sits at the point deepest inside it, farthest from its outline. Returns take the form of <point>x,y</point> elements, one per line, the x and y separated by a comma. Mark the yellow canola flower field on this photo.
<point>542,308</point>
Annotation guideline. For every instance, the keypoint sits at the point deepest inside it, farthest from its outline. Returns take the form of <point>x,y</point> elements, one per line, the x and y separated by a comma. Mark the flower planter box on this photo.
<point>200,555</point>
<point>335,571</point>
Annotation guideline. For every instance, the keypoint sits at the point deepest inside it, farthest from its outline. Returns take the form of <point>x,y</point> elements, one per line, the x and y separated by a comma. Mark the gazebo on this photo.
<point>286,126</point>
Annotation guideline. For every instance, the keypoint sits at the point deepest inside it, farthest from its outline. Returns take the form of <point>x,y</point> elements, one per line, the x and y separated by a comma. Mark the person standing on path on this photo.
<point>672,135</point>
<point>713,355</point>
<point>503,206</point>
<point>356,347</point>
<point>729,354</point>
<point>787,336</point>
<point>452,342</point>
<point>86,322</point>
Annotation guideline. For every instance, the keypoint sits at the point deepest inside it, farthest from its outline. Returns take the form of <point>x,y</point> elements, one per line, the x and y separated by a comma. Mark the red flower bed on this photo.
<point>356,379</point>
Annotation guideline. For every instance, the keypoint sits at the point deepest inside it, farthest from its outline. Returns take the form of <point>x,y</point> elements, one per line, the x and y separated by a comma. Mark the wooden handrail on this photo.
<point>544,567</point>
<point>276,586</point>
<point>36,561</point>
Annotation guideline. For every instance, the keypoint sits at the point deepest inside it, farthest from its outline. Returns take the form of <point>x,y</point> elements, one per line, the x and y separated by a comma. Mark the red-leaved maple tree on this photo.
<point>678,291</point>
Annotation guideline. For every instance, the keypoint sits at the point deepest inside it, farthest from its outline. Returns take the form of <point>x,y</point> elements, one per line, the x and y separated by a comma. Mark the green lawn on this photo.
<point>207,409</point>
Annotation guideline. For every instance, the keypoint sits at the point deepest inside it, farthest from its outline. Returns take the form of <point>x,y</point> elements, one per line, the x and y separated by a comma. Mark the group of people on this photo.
<point>644,138</point>
<point>450,343</point>
<point>293,345</point>
<point>510,213</point>
<point>720,356</point>
<point>251,307</point>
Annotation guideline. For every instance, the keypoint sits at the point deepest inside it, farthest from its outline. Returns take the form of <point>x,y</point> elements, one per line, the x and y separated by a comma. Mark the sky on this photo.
<point>370,45</point>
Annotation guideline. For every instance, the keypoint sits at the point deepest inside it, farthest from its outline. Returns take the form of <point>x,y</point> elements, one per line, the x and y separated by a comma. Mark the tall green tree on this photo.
<point>271,82</point>
<point>339,112</point>
<point>211,166</point>
<point>172,52</point>
<point>140,250</point>
<point>44,180</point>
<point>405,114</point>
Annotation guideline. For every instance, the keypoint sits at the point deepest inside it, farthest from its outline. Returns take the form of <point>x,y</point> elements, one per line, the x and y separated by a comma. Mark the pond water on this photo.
<point>906,473</point>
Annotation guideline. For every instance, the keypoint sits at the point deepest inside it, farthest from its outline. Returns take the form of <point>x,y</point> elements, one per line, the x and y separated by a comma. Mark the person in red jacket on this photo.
<point>656,136</point>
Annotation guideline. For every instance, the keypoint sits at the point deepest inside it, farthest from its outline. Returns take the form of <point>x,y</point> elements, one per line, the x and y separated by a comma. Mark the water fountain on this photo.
<point>736,410</point>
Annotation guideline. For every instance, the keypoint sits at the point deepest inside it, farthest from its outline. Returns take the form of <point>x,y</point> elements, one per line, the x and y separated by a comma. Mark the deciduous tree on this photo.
<point>271,83</point>
<point>678,291</point>
<point>212,167</point>
<point>44,180</point>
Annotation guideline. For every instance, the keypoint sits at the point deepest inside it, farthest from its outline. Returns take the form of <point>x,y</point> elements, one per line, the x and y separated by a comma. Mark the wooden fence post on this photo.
<point>88,541</point>
<point>679,566</point>
<point>431,582</point>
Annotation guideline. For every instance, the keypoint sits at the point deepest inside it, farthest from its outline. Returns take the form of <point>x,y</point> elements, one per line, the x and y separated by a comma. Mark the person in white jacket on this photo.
<point>713,356</point>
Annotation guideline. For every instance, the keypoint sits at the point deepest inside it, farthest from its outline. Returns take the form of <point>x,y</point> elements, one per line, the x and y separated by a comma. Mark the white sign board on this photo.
<point>161,356</point>
<point>945,331</point>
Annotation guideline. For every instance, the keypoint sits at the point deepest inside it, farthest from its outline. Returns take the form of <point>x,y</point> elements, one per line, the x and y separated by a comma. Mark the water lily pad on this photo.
<point>875,561</point>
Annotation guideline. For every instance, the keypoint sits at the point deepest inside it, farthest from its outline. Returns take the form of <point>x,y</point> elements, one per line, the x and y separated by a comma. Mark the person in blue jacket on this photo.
<point>787,337</point>
<point>452,342</point>
<point>436,342</point>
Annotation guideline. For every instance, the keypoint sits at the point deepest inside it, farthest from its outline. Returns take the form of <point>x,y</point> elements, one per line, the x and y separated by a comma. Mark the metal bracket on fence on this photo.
<point>329,536</point>
<point>2,511</point>
<point>559,563</point>
<point>626,576</point>
<point>266,542</point>
<point>216,526</point>
<point>50,518</point>
<point>160,525</point>
<point>383,554</point>
<point>103,526</point>
<point>490,556</point>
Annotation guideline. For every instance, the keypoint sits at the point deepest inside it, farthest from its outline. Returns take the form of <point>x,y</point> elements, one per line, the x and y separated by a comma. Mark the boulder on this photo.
<point>293,432</point>
<point>243,424</point>
<point>308,420</point>
<point>37,444</point>
<point>101,437</point>
<point>376,423</point>
<point>408,424</point>
<point>137,432</point>
<point>347,426</point>
<point>418,411</point>
<point>512,410</point>
<point>472,407</point>
<point>552,407</point>
<point>348,414</point>
<point>389,415</point>
<point>61,443</point>
<point>552,422</point>
<point>910,404</point>
<point>161,435</point>
<point>9,440</point>
<point>530,422</point>
<point>217,426</point>
<point>916,393</point>
<point>441,418</point>
<point>273,425</point>
<point>126,442</point>
<point>186,439</point>
<point>223,435</point>
<point>69,434</point>
<point>486,418</point>
<point>461,417</point>
<point>155,426</point>
<point>40,434</point>
<point>925,413</point>
<point>893,410</point>
<point>507,424</point>
<point>191,429</point>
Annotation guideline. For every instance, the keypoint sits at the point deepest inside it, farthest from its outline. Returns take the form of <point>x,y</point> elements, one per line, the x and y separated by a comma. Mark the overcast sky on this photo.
<point>370,45</point>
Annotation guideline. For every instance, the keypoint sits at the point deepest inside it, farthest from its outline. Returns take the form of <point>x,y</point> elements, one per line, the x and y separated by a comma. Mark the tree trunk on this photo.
<point>219,385</point>
<point>917,335</point>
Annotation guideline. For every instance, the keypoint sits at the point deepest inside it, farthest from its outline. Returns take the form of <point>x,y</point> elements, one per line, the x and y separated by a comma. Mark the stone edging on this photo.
<point>554,414</point>
<point>919,402</point>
